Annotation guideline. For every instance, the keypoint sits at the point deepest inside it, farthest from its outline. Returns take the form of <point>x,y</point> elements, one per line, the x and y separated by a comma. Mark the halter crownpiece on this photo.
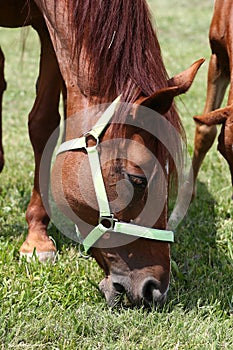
<point>107,221</point>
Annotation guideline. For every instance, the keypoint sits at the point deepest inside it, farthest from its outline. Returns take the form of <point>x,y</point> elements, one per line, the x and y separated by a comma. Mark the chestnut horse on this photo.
<point>220,74</point>
<point>108,51</point>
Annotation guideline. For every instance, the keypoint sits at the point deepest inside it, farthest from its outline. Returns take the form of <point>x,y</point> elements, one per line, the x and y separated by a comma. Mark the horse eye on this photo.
<point>137,181</point>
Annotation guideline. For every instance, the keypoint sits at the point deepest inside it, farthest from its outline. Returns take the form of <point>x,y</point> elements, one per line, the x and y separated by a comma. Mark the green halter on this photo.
<point>107,221</point>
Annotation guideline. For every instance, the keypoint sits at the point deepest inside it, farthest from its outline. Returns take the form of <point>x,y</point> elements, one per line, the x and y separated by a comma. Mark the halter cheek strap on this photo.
<point>107,221</point>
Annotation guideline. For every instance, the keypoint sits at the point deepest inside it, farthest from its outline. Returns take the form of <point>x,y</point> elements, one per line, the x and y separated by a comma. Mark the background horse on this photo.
<point>43,118</point>
<point>105,50</point>
<point>219,75</point>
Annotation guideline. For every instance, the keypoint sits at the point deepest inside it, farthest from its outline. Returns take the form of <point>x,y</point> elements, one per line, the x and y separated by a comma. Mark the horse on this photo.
<point>220,74</point>
<point>110,59</point>
<point>43,118</point>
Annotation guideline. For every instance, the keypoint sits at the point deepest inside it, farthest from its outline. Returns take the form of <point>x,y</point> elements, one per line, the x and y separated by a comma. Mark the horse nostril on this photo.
<point>150,291</point>
<point>118,288</point>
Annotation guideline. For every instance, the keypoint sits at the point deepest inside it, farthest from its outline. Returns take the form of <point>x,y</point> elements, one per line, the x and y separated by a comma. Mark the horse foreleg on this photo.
<point>43,120</point>
<point>218,80</point>
<point>2,89</point>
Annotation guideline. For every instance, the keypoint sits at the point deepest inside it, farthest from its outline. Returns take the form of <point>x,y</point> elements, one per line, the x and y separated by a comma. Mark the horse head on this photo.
<point>113,182</point>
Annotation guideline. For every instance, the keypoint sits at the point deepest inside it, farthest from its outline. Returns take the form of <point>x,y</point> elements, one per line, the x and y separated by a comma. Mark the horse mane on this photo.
<point>121,47</point>
<point>122,51</point>
<point>120,44</point>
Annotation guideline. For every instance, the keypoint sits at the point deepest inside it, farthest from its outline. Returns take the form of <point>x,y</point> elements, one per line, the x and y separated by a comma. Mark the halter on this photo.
<point>107,221</point>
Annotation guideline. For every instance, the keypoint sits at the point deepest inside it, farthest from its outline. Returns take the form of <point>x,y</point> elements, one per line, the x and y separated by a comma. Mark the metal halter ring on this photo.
<point>83,254</point>
<point>93,137</point>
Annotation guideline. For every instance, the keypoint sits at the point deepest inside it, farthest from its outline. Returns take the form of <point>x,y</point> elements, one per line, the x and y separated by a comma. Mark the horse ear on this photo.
<point>218,116</point>
<point>184,79</point>
<point>161,100</point>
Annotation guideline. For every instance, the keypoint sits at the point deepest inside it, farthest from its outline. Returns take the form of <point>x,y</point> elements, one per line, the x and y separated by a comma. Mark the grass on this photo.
<point>59,306</point>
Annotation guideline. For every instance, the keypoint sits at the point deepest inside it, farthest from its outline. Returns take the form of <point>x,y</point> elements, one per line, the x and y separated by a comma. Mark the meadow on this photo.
<point>59,306</point>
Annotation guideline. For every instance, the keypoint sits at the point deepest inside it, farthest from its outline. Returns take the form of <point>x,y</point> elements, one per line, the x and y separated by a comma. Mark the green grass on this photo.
<point>59,306</point>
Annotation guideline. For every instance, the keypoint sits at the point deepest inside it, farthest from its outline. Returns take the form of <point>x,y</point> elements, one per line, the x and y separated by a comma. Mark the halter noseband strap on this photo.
<point>107,221</point>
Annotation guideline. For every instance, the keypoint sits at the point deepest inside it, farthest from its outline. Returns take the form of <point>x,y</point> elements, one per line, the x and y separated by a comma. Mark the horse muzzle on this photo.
<point>145,293</point>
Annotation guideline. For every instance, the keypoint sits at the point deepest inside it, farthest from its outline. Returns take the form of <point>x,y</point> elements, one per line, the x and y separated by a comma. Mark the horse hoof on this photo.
<point>42,257</point>
<point>41,250</point>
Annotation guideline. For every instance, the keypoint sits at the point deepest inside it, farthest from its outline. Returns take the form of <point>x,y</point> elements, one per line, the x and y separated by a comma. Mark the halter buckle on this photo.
<point>107,221</point>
